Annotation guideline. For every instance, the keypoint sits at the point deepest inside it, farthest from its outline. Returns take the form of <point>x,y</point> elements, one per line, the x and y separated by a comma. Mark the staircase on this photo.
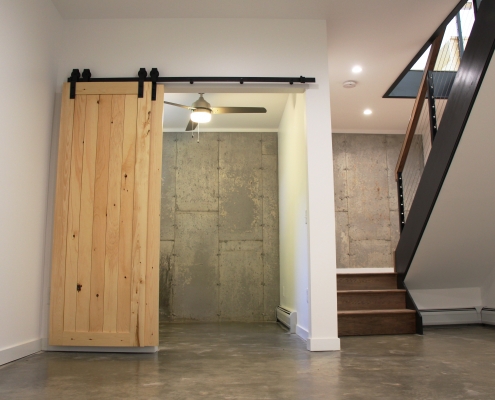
<point>371,304</point>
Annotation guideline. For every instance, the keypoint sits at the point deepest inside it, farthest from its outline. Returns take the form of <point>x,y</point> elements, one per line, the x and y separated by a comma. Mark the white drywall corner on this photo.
<point>29,45</point>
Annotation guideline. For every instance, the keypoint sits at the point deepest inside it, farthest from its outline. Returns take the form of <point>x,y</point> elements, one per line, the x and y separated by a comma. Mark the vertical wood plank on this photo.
<point>99,214</point>
<point>73,216</point>
<point>86,219</point>
<point>126,215</point>
<point>151,337</point>
<point>60,217</point>
<point>140,217</point>
<point>113,215</point>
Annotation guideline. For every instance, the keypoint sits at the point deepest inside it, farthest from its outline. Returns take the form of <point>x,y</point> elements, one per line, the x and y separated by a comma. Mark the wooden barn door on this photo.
<point>104,284</point>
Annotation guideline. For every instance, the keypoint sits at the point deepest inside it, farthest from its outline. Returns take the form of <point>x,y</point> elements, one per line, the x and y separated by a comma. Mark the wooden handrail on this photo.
<point>418,105</point>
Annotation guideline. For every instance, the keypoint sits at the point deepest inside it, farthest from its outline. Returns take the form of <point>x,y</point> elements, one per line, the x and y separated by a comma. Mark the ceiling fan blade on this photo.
<point>191,126</point>
<point>232,110</point>
<point>178,105</point>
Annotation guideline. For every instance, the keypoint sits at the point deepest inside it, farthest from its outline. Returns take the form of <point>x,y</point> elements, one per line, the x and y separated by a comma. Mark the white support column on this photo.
<point>322,296</point>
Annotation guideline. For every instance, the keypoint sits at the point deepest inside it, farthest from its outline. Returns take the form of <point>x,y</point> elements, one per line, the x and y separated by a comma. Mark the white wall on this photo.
<point>234,47</point>
<point>454,265</point>
<point>204,47</point>
<point>29,30</point>
<point>305,288</point>
<point>293,206</point>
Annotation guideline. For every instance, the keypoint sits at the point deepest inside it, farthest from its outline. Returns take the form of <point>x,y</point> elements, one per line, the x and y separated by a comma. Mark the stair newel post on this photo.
<point>411,305</point>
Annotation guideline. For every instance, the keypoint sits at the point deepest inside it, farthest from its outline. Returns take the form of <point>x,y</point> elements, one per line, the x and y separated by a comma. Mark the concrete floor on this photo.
<point>262,361</point>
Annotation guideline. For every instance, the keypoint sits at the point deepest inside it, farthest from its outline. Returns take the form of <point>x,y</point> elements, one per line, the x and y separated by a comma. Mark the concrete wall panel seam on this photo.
<point>224,259</point>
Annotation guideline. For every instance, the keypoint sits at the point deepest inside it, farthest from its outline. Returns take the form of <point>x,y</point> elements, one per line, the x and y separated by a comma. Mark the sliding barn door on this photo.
<point>104,285</point>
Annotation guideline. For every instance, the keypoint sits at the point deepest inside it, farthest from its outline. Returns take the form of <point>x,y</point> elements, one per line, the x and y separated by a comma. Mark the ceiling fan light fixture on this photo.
<point>201,111</point>
<point>201,116</point>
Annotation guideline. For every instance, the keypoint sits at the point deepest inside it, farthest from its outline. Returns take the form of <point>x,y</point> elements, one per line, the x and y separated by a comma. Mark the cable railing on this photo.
<point>440,68</point>
<point>413,169</point>
<point>442,104</point>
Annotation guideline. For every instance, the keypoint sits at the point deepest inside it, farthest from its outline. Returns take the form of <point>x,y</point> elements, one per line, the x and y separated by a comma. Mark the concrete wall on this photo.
<point>366,208</point>
<point>294,240</point>
<point>219,227</point>
<point>28,47</point>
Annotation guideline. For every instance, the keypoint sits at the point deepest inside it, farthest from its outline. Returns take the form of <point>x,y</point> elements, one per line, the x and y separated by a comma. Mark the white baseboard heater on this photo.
<point>287,318</point>
<point>459,316</point>
<point>488,316</point>
<point>455,316</point>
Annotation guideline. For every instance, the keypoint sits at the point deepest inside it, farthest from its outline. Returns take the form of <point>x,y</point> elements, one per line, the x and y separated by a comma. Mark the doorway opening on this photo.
<point>219,237</point>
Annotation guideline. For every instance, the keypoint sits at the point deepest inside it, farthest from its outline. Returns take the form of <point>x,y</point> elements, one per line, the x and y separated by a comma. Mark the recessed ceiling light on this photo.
<point>367,112</point>
<point>357,69</point>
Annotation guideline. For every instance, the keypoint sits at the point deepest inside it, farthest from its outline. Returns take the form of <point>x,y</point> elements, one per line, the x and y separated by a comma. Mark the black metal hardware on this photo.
<point>74,77</point>
<point>431,105</point>
<point>216,79</point>
<point>408,87</point>
<point>232,79</point>
<point>460,42</point>
<point>86,75</point>
<point>476,5</point>
<point>411,305</point>
<point>142,76</point>
<point>400,198</point>
<point>154,76</point>
<point>79,287</point>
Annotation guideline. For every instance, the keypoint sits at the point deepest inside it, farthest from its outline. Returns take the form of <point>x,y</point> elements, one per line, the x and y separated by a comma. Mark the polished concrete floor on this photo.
<point>262,361</point>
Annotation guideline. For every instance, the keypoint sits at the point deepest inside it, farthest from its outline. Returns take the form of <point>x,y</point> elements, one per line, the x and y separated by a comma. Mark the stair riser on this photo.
<point>371,301</point>
<point>358,325</point>
<point>366,282</point>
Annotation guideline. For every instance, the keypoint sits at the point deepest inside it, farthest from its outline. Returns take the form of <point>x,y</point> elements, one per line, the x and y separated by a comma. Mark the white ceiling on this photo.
<point>380,35</point>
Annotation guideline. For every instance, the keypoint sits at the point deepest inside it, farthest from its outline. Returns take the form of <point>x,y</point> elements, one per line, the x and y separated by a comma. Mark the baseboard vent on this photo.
<point>287,318</point>
<point>488,316</point>
<point>350,271</point>
<point>458,316</point>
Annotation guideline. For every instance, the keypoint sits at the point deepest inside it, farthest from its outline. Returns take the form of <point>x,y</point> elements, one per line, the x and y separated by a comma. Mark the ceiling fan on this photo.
<point>202,110</point>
